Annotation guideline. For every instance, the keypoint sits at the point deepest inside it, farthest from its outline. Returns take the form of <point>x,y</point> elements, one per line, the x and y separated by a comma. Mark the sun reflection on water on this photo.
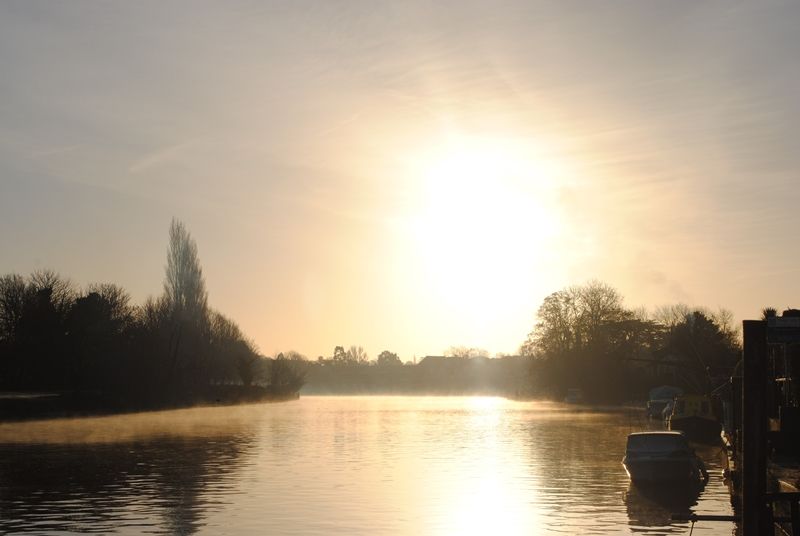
<point>485,495</point>
<point>339,465</point>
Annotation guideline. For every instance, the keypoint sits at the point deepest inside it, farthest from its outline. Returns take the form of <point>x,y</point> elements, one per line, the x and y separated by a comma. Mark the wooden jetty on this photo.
<point>762,428</point>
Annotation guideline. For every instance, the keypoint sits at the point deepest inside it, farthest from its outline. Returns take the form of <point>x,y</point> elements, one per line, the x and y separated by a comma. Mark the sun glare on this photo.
<point>487,213</point>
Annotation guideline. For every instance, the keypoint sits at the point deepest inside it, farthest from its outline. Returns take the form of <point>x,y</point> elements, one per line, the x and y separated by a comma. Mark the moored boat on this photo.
<point>692,415</point>
<point>659,398</point>
<point>662,457</point>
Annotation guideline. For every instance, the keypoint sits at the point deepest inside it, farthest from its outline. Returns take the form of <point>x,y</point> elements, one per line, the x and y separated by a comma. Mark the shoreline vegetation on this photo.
<point>96,353</point>
<point>584,338</point>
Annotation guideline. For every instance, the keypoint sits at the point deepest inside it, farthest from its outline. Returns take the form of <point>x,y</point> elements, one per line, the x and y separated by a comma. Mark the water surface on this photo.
<point>341,465</point>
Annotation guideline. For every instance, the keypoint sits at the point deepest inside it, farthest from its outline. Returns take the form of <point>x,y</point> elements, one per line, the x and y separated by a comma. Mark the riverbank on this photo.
<point>28,406</point>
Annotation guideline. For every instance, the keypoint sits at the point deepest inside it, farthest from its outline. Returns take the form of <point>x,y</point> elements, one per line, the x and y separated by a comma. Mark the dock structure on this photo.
<point>769,425</point>
<point>761,428</point>
<point>753,437</point>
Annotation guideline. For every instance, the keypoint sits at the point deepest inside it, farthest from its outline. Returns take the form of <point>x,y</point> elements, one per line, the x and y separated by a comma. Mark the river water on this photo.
<point>341,465</point>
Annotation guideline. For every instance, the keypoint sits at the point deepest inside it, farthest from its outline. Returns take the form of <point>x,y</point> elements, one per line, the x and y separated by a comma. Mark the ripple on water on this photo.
<point>339,465</point>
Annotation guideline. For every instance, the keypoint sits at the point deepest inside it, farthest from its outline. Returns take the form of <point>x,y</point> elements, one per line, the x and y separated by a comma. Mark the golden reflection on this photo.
<point>486,496</point>
<point>487,507</point>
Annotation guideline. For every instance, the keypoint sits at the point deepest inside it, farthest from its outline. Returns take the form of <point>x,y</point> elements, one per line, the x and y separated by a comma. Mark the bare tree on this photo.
<point>600,305</point>
<point>293,355</point>
<point>12,303</point>
<point>670,316</point>
<point>725,320</point>
<point>61,291</point>
<point>229,357</point>
<point>357,355</point>
<point>186,300</point>
<point>153,314</point>
<point>465,352</point>
<point>246,359</point>
<point>116,299</point>
<point>184,285</point>
<point>288,372</point>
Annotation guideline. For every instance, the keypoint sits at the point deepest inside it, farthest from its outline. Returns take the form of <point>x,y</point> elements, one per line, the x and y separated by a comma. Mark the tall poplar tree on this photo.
<point>187,302</point>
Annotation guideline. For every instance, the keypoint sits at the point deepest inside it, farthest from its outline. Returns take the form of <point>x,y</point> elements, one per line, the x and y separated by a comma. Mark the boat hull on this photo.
<point>673,470</point>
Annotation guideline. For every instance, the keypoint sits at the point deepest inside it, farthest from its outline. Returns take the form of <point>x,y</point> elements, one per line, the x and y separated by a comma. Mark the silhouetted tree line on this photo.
<point>586,338</point>
<point>172,348</point>
<point>460,371</point>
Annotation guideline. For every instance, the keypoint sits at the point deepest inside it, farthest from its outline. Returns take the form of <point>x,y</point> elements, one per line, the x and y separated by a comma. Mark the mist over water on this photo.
<point>340,465</point>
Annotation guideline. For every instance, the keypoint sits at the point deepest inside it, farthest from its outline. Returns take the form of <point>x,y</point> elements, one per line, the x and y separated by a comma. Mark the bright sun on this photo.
<point>487,215</point>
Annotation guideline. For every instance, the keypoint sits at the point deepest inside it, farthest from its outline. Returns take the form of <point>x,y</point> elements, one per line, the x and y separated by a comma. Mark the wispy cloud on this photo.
<point>159,156</point>
<point>53,151</point>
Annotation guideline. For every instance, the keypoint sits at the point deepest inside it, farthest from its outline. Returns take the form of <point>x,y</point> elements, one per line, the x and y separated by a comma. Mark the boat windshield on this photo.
<point>657,443</point>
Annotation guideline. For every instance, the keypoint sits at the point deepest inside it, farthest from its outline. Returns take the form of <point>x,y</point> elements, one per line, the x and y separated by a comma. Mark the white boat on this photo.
<point>662,457</point>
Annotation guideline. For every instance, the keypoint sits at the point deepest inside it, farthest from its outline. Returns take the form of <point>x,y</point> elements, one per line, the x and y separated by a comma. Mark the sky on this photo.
<point>406,176</point>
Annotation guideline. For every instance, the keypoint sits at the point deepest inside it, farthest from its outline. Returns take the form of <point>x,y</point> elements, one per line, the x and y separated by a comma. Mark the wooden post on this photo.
<point>754,429</point>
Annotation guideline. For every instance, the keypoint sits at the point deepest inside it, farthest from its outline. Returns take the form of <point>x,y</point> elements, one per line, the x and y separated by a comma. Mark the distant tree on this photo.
<point>61,291</point>
<point>357,356</point>
<point>13,295</point>
<point>557,329</point>
<point>116,299</point>
<point>169,349</point>
<point>293,355</point>
<point>577,319</point>
<point>725,321</point>
<point>768,312</point>
<point>95,327</point>
<point>702,351</point>
<point>153,314</point>
<point>465,352</point>
<point>151,334</point>
<point>583,338</point>
<point>288,372</point>
<point>387,358</point>
<point>339,355</point>
<point>600,307</point>
<point>13,291</point>
<point>41,332</point>
<point>670,316</point>
<point>184,285</point>
<point>187,302</point>
<point>246,359</point>
<point>230,356</point>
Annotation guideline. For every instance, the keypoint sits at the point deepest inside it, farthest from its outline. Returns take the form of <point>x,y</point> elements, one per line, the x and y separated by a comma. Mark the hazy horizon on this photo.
<point>405,176</point>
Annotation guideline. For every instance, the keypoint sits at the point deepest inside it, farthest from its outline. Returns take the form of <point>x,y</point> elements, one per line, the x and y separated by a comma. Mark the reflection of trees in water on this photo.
<point>653,505</point>
<point>105,486</point>
<point>576,460</point>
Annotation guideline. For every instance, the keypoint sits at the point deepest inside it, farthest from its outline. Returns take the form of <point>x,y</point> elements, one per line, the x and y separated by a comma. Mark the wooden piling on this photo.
<point>754,429</point>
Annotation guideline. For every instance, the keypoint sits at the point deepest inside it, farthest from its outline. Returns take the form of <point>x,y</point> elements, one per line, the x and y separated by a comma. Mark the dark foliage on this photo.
<point>585,338</point>
<point>94,345</point>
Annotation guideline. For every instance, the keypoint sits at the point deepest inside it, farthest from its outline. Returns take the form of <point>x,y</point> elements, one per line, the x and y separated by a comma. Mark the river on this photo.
<point>341,465</point>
